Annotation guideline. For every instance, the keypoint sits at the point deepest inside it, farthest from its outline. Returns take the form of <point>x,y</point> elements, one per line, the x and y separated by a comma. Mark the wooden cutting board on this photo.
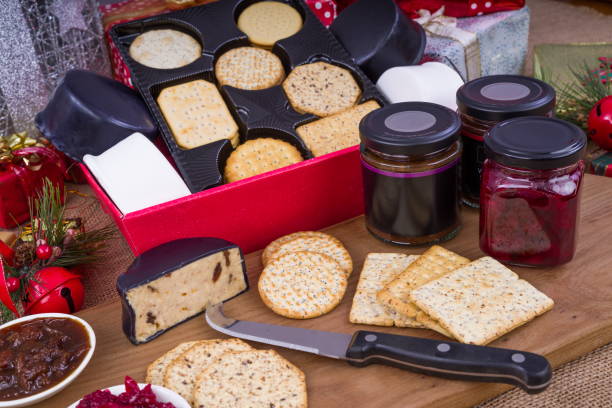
<point>580,322</point>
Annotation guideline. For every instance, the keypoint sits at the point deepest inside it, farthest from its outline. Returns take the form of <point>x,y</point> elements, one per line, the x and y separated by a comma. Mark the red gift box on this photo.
<point>20,179</point>
<point>306,196</point>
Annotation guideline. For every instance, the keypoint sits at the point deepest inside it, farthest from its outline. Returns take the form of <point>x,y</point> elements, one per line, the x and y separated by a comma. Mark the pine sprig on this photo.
<point>577,98</point>
<point>47,214</point>
<point>84,248</point>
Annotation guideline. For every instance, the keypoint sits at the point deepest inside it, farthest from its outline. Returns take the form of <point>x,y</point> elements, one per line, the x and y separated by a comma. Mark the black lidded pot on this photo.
<point>410,155</point>
<point>486,101</point>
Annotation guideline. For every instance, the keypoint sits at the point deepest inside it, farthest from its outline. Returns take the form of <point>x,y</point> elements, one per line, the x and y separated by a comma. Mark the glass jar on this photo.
<point>486,101</point>
<point>410,154</point>
<point>530,191</point>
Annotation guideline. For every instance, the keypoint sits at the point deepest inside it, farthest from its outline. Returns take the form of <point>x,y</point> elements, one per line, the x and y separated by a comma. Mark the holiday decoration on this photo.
<point>41,40</point>
<point>477,46</point>
<point>37,272</point>
<point>579,96</point>
<point>599,123</point>
<point>454,8</point>
<point>24,165</point>
<point>54,290</point>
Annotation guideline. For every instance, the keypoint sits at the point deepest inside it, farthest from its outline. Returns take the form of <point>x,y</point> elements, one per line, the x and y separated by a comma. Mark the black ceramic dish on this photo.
<point>89,113</point>
<point>263,113</point>
<point>392,39</point>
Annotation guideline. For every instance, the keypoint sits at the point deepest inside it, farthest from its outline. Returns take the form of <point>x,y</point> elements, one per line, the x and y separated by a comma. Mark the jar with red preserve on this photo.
<point>483,103</point>
<point>530,191</point>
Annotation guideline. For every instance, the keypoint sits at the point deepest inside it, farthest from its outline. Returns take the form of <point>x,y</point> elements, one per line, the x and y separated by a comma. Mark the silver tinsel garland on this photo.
<point>39,41</point>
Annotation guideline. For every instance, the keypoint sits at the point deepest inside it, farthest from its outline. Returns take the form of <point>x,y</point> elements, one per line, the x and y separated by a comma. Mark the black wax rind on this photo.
<point>379,36</point>
<point>159,261</point>
<point>261,113</point>
<point>90,113</point>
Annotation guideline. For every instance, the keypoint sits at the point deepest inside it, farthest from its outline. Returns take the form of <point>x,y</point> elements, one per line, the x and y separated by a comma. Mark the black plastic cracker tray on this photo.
<point>258,113</point>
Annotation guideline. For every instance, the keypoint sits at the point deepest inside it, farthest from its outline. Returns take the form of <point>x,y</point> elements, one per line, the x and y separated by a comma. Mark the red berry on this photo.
<point>13,284</point>
<point>44,252</point>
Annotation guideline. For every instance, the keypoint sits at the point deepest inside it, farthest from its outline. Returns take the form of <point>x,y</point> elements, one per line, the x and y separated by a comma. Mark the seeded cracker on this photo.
<point>335,132</point>
<point>328,245</point>
<point>181,374</point>
<point>165,49</point>
<point>258,378</point>
<point>434,262</point>
<point>155,371</point>
<point>249,68</point>
<point>321,89</point>
<point>197,114</point>
<point>274,245</point>
<point>481,301</point>
<point>259,156</point>
<point>267,22</point>
<point>302,285</point>
<point>379,269</point>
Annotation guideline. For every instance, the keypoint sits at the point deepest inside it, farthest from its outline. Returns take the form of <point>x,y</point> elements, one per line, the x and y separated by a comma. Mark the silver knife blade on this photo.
<point>326,344</point>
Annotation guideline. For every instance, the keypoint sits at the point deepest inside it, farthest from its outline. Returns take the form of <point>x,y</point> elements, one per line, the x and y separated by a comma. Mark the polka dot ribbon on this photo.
<point>325,10</point>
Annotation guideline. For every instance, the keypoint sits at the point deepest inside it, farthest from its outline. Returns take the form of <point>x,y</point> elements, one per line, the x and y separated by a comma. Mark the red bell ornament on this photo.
<point>600,123</point>
<point>54,290</point>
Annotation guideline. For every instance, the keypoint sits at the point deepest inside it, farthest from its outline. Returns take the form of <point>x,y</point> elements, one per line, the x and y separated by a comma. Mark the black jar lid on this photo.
<point>535,142</point>
<point>409,128</point>
<point>501,97</point>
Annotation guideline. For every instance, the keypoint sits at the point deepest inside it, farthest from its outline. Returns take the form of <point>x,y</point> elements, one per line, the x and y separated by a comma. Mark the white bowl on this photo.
<point>163,395</point>
<point>35,398</point>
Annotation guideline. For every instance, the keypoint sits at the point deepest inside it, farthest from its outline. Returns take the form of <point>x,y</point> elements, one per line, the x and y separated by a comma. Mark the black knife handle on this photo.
<point>452,360</point>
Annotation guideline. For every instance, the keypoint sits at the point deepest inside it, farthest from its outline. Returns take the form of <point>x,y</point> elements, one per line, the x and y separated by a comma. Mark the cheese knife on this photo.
<point>531,372</point>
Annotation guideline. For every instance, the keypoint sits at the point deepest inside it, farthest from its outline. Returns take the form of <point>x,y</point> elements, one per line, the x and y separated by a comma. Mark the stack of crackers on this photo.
<point>472,302</point>
<point>305,274</point>
<point>223,373</point>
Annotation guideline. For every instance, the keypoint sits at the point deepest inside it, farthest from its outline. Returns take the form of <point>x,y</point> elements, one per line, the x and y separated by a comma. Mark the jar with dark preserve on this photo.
<point>530,192</point>
<point>486,101</point>
<point>410,154</point>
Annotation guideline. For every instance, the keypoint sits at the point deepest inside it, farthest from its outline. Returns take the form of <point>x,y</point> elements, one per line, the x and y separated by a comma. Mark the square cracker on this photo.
<point>379,269</point>
<point>481,301</point>
<point>335,132</point>
<point>197,114</point>
<point>434,262</point>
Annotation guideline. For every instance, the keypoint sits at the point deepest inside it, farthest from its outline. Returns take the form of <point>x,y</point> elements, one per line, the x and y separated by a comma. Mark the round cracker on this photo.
<point>267,22</point>
<point>249,68</point>
<point>259,378</point>
<point>259,156</point>
<point>165,49</point>
<point>326,245</point>
<point>272,247</point>
<point>302,285</point>
<point>321,89</point>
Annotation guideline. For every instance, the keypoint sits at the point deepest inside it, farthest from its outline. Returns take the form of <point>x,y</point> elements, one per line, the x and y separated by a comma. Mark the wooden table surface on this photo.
<point>580,322</point>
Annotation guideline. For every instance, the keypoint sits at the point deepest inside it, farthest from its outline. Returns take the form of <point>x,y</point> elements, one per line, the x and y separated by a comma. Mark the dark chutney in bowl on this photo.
<point>38,354</point>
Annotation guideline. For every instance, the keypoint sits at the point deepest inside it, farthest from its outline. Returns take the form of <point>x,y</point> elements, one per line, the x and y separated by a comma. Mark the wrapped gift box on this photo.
<point>490,44</point>
<point>602,165</point>
<point>21,179</point>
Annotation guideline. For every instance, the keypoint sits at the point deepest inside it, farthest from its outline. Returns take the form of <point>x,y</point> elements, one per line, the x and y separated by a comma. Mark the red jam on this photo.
<point>530,191</point>
<point>530,217</point>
